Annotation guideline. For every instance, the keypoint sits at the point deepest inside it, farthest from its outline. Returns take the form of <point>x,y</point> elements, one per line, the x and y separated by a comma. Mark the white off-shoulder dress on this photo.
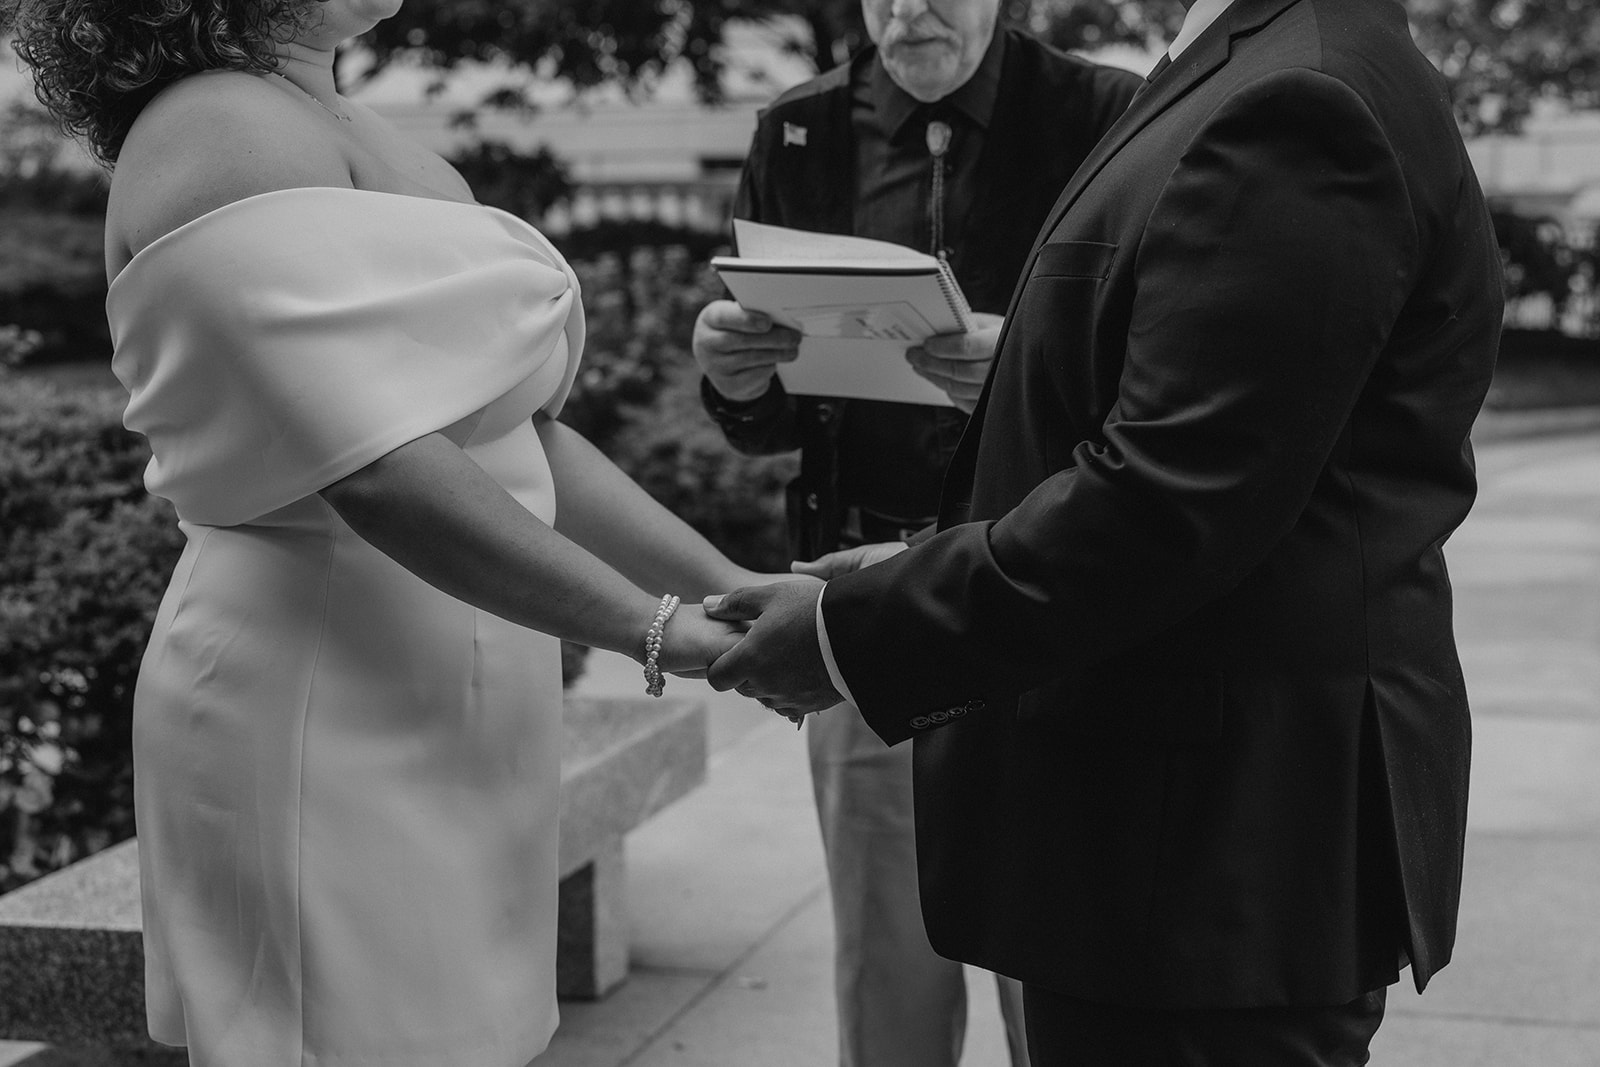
<point>346,780</point>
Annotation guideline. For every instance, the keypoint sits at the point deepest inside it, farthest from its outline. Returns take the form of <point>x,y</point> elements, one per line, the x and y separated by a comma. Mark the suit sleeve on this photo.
<point>767,424</point>
<point>1270,272</point>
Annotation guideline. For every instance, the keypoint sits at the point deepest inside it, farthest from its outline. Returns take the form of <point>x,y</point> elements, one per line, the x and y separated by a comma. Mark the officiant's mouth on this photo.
<point>919,42</point>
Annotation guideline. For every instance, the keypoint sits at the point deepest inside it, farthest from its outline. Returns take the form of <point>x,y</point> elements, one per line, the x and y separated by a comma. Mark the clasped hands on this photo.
<point>760,640</point>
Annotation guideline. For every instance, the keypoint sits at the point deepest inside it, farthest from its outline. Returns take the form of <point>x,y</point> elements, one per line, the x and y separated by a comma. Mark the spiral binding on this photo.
<point>954,296</point>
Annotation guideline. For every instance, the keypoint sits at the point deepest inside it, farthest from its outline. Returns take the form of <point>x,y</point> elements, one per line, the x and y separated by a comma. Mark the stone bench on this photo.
<point>71,960</point>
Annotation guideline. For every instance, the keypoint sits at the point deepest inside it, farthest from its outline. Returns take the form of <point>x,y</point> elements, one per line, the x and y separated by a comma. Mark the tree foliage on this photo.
<point>526,184</point>
<point>628,43</point>
<point>1085,25</point>
<point>1499,56</point>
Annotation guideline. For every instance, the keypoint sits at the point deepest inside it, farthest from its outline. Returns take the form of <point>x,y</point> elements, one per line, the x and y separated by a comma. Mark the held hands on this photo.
<point>740,350</point>
<point>692,641</point>
<point>779,662</point>
<point>958,363</point>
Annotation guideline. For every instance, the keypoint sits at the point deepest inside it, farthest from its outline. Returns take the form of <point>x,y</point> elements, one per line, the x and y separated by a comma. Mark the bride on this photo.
<point>346,731</point>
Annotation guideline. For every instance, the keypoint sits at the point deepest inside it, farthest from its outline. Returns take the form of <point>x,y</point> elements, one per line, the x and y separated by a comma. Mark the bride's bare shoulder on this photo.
<point>205,142</point>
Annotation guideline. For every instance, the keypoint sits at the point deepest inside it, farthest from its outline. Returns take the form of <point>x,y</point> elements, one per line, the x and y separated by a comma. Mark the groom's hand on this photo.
<point>779,662</point>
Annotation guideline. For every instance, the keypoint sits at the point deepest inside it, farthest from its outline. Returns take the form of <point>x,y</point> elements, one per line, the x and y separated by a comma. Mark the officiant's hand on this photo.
<point>958,363</point>
<point>848,559</point>
<point>740,350</point>
<point>779,662</point>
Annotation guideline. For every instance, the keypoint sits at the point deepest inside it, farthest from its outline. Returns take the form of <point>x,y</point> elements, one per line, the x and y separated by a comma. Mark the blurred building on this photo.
<point>1549,170</point>
<point>662,155</point>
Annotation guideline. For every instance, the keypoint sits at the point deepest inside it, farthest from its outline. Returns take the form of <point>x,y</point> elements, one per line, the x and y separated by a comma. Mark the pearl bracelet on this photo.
<point>654,681</point>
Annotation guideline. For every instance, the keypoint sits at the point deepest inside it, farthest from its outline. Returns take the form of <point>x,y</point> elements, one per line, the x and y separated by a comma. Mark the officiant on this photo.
<point>951,136</point>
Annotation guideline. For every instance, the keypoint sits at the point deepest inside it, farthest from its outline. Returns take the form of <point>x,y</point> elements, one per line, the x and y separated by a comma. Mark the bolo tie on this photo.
<point>939,136</point>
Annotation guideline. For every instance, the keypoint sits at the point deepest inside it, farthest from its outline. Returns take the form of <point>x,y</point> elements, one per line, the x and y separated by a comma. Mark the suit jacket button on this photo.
<point>974,705</point>
<point>957,711</point>
<point>940,716</point>
<point>921,722</point>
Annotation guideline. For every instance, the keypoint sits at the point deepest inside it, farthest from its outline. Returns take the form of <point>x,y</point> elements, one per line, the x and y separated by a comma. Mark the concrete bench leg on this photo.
<point>592,931</point>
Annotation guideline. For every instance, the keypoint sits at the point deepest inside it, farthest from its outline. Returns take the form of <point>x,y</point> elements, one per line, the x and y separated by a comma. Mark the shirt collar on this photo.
<point>975,99</point>
<point>1195,22</point>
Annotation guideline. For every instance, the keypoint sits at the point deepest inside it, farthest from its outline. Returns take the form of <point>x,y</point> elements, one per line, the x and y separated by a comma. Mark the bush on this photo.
<point>86,555</point>
<point>1550,273</point>
<point>53,283</point>
<point>637,398</point>
<point>52,220</point>
<point>525,184</point>
<point>680,457</point>
<point>32,175</point>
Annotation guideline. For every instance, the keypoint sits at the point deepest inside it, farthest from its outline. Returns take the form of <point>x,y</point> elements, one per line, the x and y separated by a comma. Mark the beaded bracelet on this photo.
<point>654,681</point>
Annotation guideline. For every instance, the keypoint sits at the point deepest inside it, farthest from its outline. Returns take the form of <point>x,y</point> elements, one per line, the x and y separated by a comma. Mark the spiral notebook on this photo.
<point>858,304</point>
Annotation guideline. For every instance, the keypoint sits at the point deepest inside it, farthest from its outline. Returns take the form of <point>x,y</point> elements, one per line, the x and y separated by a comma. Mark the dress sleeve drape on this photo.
<point>278,344</point>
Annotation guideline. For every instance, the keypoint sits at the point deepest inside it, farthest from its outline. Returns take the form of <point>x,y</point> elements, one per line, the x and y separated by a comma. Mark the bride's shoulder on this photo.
<point>205,142</point>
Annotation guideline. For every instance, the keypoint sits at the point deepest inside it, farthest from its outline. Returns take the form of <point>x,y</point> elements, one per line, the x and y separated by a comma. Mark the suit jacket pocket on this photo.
<point>1074,259</point>
<point>1145,710</point>
<point>1055,338</point>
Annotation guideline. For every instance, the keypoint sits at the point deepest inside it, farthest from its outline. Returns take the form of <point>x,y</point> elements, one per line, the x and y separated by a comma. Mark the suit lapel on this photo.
<point>1207,52</point>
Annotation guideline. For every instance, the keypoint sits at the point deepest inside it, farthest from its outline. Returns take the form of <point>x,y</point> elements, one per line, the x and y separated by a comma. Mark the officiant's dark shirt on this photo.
<point>894,170</point>
<point>894,202</point>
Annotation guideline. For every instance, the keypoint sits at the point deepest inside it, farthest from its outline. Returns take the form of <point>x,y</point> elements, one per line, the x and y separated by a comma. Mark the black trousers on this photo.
<point>1065,1031</point>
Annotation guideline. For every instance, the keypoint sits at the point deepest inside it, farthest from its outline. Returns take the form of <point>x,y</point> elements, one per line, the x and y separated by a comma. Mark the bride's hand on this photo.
<point>692,641</point>
<point>743,579</point>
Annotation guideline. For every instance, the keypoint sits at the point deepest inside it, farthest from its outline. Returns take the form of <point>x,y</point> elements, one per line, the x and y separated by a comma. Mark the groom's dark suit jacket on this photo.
<point>1190,724</point>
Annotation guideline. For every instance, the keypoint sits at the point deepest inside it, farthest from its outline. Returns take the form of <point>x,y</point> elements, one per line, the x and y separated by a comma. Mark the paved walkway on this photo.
<point>732,934</point>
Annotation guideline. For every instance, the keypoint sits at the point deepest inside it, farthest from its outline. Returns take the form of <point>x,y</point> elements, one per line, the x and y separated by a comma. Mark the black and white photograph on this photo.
<point>799,533</point>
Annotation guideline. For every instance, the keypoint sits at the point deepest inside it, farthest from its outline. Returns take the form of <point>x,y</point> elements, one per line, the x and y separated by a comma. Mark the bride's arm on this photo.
<point>429,507</point>
<point>607,512</point>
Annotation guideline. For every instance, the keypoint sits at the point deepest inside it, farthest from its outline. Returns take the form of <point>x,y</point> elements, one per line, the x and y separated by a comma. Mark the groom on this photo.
<point>1191,734</point>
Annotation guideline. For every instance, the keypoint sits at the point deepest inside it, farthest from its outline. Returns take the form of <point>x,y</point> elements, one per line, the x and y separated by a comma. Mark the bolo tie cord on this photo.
<point>939,136</point>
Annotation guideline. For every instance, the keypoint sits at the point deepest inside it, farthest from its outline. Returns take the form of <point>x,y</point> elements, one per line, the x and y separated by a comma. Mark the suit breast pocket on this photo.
<point>1060,324</point>
<point>1090,260</point>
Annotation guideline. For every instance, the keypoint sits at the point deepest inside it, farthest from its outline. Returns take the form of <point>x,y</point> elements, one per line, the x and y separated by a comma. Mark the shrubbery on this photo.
<point>637,398</point>
<point>84,556</point>
<point>87,553</point>
<point>52,268</point>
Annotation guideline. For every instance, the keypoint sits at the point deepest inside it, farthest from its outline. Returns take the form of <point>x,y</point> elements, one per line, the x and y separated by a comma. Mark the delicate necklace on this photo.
<point>341,116</point>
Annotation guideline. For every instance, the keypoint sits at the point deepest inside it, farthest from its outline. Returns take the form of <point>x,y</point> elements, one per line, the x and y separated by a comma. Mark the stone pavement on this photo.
<point>1524,987</point>
<point>732,941</point>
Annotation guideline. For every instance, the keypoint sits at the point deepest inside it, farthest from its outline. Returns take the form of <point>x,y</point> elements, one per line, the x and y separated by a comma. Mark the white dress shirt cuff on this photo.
<point>827,653</point>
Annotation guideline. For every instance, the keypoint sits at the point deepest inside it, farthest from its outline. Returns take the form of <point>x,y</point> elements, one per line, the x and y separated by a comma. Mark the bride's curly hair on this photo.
<point>97,63</point>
